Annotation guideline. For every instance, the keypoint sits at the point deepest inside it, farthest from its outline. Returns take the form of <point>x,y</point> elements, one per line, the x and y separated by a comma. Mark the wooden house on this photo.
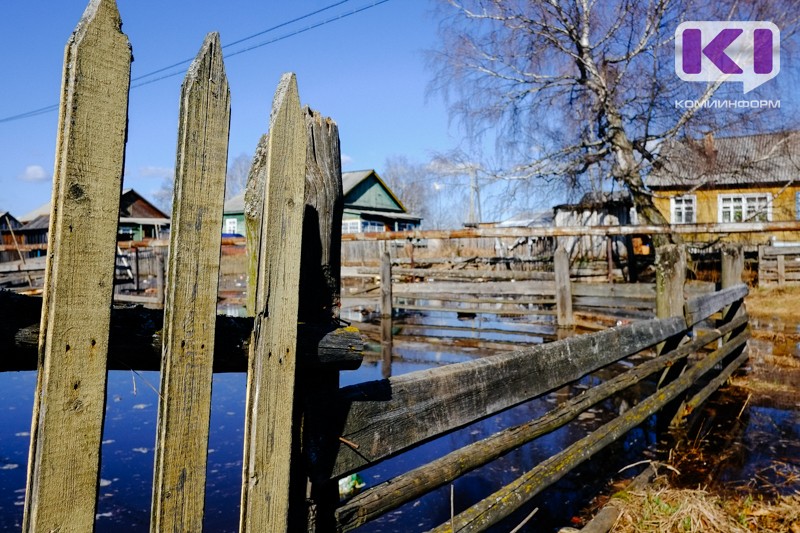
<point>233,216</point>
<point>139,220</point>
<point>730,180</point>
<point>370,205</point>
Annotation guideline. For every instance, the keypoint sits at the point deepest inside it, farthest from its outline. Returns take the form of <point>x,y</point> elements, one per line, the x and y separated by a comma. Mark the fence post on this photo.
<point>781,270</point>
<point>563,288</point>
<point>253,212</point>
<point>191,298</point>
<point>386,315</point>
<point>160,279</point>
<point>69,404</point>
<point>732,265</point>
<point>670,279</point>
<point>762,270</point>
<point>271,377</point>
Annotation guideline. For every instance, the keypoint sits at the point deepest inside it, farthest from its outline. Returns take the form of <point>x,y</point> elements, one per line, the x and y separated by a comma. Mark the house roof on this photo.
<point>234,204</point>
<point>351,179</point>
<point>132,206</point>
<point>598,200</point>
<point>528,219</point>
<point>7,219</point>
<point>383,214</point>
<point>745,160</point>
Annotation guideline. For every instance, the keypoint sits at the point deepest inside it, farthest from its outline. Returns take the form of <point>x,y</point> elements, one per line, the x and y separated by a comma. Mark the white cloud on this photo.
<point>155,172</point>
<point>346,160</point>
<point>34,173</point>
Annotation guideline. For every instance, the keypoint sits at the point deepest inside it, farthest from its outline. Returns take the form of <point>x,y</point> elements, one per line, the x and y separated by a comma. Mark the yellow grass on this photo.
<point>664,509</point>
<point>774,302</point>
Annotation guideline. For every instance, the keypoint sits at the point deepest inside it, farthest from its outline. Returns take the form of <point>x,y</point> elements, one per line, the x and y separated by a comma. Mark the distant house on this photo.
<point>233,216</point>
<point>370,205</point>
<point>729,180</point>
<point>138,220</point>
<point>9,226</point>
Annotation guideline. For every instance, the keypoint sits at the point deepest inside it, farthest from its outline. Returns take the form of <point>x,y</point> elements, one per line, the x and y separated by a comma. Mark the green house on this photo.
<point>370,205</point>
<point>233,216</point>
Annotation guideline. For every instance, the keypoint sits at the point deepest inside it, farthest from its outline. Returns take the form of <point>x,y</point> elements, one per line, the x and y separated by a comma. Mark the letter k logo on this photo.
<point>715,51</point>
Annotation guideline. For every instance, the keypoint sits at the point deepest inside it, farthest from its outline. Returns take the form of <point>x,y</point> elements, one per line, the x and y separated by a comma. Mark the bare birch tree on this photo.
<point>573,86</point>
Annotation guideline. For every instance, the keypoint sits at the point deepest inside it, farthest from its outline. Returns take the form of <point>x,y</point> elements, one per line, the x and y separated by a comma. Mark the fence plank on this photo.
<point>503,502</point>
<point>270,389</point>
<point>413,484</point>
<point>389,416</point>
<point>70,394</point>
<point>191,296</point>
<point>698,308</point>
<point>253,211</point>
<point>527,288</point>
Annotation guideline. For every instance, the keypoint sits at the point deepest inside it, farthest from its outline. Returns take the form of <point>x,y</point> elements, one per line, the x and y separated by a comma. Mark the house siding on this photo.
<point>784,208</point>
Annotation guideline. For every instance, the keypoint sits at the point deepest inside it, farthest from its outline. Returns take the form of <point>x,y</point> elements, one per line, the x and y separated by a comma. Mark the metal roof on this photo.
<point>746,160</point>
<point>234,204</point>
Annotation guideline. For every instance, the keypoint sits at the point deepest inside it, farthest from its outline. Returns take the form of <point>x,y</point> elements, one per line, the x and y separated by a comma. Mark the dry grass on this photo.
<point>664,509</point>
<point>774,302</point>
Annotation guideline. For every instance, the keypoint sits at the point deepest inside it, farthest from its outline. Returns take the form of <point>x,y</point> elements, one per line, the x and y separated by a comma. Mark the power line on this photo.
<point>50,108</point>
<point>271,41</point>
<point>273,28</point>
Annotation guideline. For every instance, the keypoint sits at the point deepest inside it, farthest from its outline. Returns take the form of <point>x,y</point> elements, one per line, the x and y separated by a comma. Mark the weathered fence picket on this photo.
<point>191,298</point>
<point>270,383</point>
<point>67,424</point>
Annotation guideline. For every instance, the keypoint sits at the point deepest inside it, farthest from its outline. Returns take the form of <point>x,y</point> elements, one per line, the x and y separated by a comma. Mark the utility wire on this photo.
<point>265,43</point>
<point>281,25</point>
<point>51,108</point>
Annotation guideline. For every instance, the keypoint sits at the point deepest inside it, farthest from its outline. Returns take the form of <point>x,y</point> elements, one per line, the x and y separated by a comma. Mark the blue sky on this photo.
<point>367,71</point>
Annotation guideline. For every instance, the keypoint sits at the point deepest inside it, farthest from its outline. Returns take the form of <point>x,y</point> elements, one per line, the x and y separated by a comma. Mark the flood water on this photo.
<point>764,434</point>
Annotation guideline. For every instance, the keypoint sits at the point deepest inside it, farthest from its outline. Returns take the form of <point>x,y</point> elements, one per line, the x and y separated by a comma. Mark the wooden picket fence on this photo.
<point>302,432</point>
<point>76,312</point>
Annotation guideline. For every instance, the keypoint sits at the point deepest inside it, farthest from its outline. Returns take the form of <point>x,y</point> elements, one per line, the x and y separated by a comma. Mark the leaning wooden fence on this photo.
<point>368,423</point>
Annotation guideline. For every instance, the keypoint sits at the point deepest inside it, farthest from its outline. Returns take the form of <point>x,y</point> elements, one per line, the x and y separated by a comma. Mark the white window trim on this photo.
<point>672,217</point>
<point>744,197</point>
<point>231,222</point>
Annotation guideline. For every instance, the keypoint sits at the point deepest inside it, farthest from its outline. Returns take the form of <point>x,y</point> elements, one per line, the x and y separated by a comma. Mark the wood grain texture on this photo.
<point>268,438</point>
<point>322,221</point>
<point>699,308</point>
<point>67,420</point>
<point>253,213</point>
<point>565,317</point>
<point>386,417</point>
<point>191,295</point>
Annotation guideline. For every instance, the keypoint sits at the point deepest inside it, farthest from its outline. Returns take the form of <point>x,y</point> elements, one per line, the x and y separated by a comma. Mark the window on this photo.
<point>368,226</point>
<point>756,207</point>
<point>684,209</point>
<point>230,225</point>
<point>351,226</point>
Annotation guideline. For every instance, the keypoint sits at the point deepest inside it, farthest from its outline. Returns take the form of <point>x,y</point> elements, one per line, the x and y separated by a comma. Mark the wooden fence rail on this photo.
<point>417,407</point>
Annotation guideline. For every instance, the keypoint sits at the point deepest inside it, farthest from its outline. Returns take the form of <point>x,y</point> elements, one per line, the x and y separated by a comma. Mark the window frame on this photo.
<point>745,199</point>
<point>228,225</point>
<point>673,209</point>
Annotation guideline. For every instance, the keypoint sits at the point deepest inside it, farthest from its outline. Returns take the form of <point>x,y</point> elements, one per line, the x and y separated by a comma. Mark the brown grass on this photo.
<point>774,302</point>
<point>664,509</point>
